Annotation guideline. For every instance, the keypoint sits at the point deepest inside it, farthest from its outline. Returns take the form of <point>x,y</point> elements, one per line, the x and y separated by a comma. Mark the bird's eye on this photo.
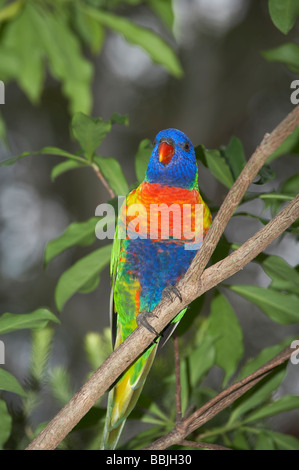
<point>187,146</point>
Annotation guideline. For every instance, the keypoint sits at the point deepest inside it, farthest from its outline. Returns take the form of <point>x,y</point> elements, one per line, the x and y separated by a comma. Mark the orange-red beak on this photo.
<point>166,152</point>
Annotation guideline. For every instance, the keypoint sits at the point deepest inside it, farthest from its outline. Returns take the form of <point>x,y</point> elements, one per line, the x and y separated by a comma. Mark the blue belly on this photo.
<point>156,264</point>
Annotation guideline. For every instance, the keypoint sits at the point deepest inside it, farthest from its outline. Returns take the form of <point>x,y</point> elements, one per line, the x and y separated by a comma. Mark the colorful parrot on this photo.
<point>147,262</point>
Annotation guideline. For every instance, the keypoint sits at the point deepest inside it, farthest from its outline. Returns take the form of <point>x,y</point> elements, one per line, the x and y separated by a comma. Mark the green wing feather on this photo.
<point>113,270</point>
<point>123,397</point>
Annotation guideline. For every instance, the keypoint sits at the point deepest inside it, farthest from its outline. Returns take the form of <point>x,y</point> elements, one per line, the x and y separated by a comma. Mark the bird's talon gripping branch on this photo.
<point>142,319</point>
<point>168,292</point>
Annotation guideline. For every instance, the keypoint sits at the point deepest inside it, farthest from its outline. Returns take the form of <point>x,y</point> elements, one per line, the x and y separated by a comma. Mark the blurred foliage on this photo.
<point>41,36</point>
<point>284,15</point>
<point>48,35</point>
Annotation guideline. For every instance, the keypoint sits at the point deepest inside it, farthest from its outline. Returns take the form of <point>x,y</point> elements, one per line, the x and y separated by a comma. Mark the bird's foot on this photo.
<point>169,291</point>
<point>142,319</point>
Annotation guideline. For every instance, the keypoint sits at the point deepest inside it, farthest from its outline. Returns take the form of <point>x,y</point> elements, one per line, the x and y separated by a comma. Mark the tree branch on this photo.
<point>269,144</point>
<point>218,403</point>
<point>189,287</point>
<point>141,338</point>
<point>203,445</point>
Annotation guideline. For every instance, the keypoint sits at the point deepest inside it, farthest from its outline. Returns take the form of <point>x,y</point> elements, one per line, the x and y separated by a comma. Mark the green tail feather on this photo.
<point>116,414</point>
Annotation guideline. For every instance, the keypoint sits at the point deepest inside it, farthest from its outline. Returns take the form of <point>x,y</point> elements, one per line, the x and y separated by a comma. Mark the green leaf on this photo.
<point>9,64</point>
<point>10,384</point>
<point>155,415</point>
<point>274,200</point>
<point>219,167</point>
<point>258,394</point>
<point>284,13</point>
<point>89,132</point>
<point>90,285</point>
<point>17,321</point>
<point>159,51</point>
<point>291,185</point>
<point>263,389</point>
<point>65,166</point>
<point>113,174</point>
<point>65,59</point>
<point>80,273</point>
<point>77,233</point>
<point>235,156</point>
<point>201,359</point>
<point>142,158</point>
<point>226,163</point>
<point>287,403</point>
<point>284,276</point>
<point>281,308</point>
<point>144,438</point>
<point>164,10</point>
<point>61,153</point>
<point>45,151</point>
<point>265,355</point>
<point>264,442</point>
<point>229,345</point>
<point>119,119</point>
<point>21,40</point>
<point>11,10</point>
<point>5,423</point>
<point>287,53</point>
<point>12,160</point>
<point>240,441</point>
<point>284,441</point>
<point>90,30</point>
<point>289,146</point>
<point>200,153</point>
<point>3,132</point>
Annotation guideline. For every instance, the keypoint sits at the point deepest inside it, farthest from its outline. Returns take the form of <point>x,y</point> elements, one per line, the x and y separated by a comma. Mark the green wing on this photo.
<point>113,270</point>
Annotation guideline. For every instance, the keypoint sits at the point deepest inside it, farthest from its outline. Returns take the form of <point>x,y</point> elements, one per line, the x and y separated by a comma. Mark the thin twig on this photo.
<point>177,378</point>
<point>218,403</point>
<point>103,180</point>
<point>189,287</point>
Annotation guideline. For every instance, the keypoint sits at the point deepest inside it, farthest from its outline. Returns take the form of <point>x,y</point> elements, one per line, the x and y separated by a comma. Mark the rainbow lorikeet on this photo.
<point>151,258</point>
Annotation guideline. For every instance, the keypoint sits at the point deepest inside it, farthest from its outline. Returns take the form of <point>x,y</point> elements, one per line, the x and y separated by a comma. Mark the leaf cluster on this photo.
<point>61,39</point>
<point>284,14</point>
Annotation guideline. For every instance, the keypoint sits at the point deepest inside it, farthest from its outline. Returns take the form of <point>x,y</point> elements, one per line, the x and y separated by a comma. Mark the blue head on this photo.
<point>173,161</point>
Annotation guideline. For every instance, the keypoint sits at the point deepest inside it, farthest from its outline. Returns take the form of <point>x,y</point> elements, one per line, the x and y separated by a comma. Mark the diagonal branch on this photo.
<point>141,338</point>
<point>191,286</point>
<point>218,403</point>
<point>269,144</point>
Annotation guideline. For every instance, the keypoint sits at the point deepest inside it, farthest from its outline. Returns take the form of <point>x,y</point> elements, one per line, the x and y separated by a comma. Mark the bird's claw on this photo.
<point>141,319</point>
<point>169,291</point>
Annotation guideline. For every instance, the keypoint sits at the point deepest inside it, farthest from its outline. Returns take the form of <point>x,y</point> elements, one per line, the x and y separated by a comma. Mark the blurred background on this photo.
<point>228,89</point>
